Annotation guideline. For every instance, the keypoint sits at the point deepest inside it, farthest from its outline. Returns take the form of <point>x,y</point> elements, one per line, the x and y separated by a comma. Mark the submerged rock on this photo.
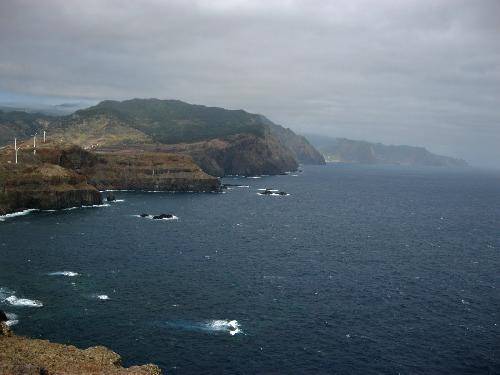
<point>144,215</point>
<point>163,216</point>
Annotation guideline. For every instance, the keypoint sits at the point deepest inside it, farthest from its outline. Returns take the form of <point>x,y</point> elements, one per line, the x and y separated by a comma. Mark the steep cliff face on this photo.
<point>148,171</point>
<point>302,150</point>
<point>22,355</point>
<point>43,186</point>
<point>242,154</point>
<point>132,169</point>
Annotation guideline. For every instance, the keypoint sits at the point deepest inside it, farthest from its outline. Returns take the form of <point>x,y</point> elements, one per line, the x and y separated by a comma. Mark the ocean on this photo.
<point>359,270</point>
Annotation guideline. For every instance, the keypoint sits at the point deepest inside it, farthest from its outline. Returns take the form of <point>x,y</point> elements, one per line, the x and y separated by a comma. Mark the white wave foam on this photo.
<point>151,218</point>
<point>15,214</point>
<point>273,190</point>
<point>255,177</point>
<point>119,200</point>
<point>97,205</point>
<point>23,302</point>
<point>64,273</point>
<point>11,319</point>
<point>274,195</point>
<point>103,297</point>
<point>231,326</point>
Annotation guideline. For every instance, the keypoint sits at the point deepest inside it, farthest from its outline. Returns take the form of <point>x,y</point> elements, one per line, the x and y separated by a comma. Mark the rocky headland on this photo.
<point>222,142</point>
<point>62,175</point>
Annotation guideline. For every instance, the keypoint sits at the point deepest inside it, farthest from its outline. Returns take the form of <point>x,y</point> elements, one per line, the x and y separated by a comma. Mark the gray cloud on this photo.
<point>423,72</point>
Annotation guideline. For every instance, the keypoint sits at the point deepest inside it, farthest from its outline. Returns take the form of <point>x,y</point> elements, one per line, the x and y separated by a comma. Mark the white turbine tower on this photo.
<point>34,144</point>
<point>15,147</point>
<point>44,136</point>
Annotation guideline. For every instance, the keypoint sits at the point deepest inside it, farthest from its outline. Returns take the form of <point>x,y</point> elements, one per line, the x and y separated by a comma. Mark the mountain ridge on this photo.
<point>364,152</point>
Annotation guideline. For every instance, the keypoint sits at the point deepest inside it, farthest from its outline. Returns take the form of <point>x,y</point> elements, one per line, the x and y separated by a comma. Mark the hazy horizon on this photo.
<point>419,73</point>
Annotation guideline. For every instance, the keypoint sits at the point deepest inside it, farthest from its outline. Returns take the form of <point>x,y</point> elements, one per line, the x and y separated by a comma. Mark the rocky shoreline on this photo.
<point>62,176</point>
<point>26,356</point>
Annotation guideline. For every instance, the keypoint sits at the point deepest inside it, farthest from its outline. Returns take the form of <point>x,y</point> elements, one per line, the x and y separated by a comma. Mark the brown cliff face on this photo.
<point>131,170</point>
<point>242,154</point>
<point>61,176</point>
<point>43,186</point>
<point>21,355</point>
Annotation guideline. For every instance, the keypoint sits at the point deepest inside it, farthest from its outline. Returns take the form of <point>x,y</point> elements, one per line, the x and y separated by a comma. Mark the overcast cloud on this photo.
<point>420,72</point>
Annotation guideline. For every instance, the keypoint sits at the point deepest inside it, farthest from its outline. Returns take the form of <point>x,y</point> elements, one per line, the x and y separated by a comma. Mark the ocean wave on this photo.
<point>231,326</point>
<point>23,302</point>
<point>151,218</point>
<point>215,326</point>
<point>11,319</point>
<point>15,214</point>
<point>102,297</point>
<point>64,273</point>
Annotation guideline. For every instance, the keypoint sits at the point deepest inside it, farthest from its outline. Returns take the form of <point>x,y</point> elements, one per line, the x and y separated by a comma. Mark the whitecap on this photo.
<point>15,214</point>
<point>11,319</point>
<point>254,177</point>
<point>230,326</point>
<point>97,205</point>
<point>164,219</point>
<point>23,302</point>
<point>103,297</point>
<point>219,325</point>
<point>64,273</point>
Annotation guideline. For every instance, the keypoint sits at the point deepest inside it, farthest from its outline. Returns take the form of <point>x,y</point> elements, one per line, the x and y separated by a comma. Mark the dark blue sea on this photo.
<point>360,270</point>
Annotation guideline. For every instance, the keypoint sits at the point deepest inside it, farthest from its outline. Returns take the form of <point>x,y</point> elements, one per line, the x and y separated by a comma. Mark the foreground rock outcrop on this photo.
<point>22,355</point>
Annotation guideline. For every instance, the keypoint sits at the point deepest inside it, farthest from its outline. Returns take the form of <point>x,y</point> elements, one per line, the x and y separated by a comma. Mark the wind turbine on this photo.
<point>15,147</point>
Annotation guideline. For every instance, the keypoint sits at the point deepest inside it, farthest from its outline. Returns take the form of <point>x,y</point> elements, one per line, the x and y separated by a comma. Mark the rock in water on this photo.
<point>144,215</point>
<point>3,317</point>
<point>110,197</point>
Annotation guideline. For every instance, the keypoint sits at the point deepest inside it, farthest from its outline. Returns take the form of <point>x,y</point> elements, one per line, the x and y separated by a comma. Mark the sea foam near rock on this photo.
<point>15,214</point>
<point>12,319</point>
<point>23,302</point>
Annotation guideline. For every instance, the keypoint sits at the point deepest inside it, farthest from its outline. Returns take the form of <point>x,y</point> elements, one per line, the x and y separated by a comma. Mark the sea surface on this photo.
<point>360,270</point>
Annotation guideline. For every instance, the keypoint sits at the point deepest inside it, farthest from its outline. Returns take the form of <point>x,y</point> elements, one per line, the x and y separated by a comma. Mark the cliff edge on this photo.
<point>26,356</point>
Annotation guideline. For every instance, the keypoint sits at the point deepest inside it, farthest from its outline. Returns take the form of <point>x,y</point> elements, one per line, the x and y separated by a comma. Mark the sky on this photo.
<point>417,72</point>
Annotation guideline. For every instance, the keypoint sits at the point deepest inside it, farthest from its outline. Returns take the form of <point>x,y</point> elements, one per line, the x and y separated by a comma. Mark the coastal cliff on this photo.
<point>362,152</point>
<point>61,176</point>
<point>242,154</point>
<point>25,356</point>
<point>44,187</point>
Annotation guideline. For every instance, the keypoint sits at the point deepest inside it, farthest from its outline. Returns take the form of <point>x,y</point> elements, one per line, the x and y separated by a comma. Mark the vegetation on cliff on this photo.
<point>220,141</point>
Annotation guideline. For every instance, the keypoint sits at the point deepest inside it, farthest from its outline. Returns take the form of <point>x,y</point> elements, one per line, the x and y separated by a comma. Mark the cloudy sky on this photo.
<point>419,72</point>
